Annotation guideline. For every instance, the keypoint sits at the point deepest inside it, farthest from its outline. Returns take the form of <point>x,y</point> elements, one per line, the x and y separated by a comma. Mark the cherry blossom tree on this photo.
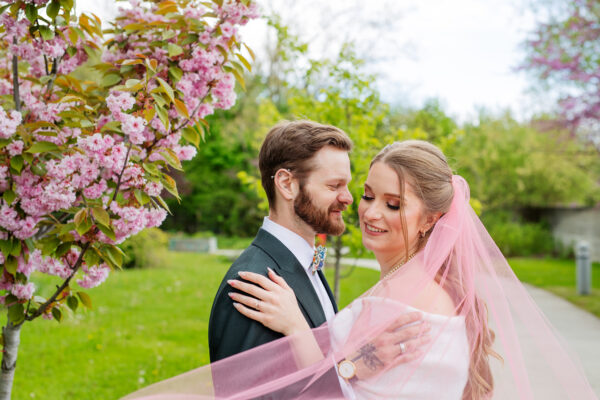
<point>564,51</point>
<point>91,123</point>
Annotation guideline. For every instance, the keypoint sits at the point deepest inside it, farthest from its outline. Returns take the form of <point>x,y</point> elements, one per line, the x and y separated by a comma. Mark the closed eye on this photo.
<point>367,198</point>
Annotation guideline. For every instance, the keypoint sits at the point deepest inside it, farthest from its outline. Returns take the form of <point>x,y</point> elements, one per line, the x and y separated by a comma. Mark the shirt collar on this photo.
<point>295,243</point>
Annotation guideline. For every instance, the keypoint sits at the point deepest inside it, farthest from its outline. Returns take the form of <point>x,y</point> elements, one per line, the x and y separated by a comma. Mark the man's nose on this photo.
<point>345,197</point>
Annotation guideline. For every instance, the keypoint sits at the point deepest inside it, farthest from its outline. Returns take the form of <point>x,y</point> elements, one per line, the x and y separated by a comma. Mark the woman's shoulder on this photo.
<point>435,300</point>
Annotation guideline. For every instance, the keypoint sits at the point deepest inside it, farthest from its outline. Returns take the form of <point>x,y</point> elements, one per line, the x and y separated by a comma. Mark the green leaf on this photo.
<point>16,163</point>
<point>181,108</point>
<point>171,159</point>
<point>91,258</point>
<point>141,197</point>
<point>42,147</point>
<point>9,196</point>
<point>115,255</point>
<point>31,12</point>
<point>191,38</point>
<point>72,302</point>
<point>63,249</point>
<point>11,265</point>
<point>114,126</point>
<point>85,299</point>
<point>16,313</point>
<point>174,50</point>
<point>107,230</point>
<point>80,216</point>
<point>170,185</point>
<point>53,9</point>
<point>175,73</point>
<point>3,8</point>
<point>67,5</point>
<point>151,168</point>
<point>244,61</point>
<point>163,116</point>
<point>84,227</point>
<point>47,33</point>
<point>101,216</point>
<point>16,248</point>
<point>57,314</point>
<point>5,246</point>
<point>49,245</point>
<point>110,79</point>
<point>166,88</point>
<point>159,99</point>
<point>250,52</point>
<point>163,204</point>
<point>191,136</point>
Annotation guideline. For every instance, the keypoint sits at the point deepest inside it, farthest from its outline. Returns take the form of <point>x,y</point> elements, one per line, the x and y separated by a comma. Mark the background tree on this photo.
<point>564,53</point>
<point>83,162</point>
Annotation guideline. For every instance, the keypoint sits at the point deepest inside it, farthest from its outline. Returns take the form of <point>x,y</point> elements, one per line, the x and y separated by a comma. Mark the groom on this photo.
<point>305,171</point>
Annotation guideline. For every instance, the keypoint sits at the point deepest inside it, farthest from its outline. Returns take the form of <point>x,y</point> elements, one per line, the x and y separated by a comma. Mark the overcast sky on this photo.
<point>463,52</point>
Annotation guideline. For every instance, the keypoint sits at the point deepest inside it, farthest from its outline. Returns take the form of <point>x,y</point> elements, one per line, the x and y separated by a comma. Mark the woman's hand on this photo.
<point>273,302</point>
<point>402,342</point>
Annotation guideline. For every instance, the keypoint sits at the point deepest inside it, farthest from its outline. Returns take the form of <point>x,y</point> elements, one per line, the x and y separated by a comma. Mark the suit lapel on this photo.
<point>329,293</point>
<point>288,267</point>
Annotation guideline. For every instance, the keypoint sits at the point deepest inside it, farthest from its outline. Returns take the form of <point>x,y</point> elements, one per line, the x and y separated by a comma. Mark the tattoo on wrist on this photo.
<point>367,353</point>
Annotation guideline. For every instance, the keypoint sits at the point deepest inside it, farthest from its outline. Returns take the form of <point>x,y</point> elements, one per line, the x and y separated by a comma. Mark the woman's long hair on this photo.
<point>423,166</point>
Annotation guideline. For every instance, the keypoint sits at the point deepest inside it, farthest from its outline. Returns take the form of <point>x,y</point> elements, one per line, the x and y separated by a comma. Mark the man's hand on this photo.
<point>402,342</point>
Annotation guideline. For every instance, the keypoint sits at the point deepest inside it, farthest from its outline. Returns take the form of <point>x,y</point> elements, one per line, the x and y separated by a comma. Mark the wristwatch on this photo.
<point>347,370</point>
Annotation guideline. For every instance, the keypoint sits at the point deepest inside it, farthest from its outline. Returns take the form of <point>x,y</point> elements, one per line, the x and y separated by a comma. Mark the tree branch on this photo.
<point>51,300</point>
<point>15,70</point>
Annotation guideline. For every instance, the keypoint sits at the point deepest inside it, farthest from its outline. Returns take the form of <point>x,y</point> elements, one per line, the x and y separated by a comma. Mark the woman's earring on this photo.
<point>422,234</point>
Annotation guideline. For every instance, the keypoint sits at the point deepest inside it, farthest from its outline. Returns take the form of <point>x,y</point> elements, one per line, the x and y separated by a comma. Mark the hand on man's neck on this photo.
<point>291,221</point>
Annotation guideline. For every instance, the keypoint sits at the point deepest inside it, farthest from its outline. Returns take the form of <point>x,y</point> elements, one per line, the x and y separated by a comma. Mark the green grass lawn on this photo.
<point>148,325</point>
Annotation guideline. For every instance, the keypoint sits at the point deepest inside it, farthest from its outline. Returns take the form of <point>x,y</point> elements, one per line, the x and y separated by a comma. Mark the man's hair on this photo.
<point>291,145</point>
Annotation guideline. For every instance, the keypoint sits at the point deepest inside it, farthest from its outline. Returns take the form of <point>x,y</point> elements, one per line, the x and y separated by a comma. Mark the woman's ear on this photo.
<point>285,183</point>
<point>430,221</point>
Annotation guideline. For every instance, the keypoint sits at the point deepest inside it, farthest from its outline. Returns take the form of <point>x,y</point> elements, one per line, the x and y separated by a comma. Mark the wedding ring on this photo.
<point>402,348</point>
<point>257,305</point>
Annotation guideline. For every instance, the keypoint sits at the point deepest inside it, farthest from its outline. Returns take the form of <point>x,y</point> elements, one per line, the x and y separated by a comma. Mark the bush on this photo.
<point>516,237</point>
<point>146,249</point>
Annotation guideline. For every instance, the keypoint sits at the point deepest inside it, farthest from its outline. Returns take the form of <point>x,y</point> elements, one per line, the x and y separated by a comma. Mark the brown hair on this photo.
<point>291,145</point>
<point>423,166</point>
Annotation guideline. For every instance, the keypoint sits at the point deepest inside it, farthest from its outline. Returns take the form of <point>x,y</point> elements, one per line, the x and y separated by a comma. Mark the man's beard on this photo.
<point>317,218</point>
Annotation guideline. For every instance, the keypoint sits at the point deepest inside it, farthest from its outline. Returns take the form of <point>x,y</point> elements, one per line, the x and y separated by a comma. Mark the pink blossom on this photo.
<point>15,148</point>
<point>9,123</point>
<point>23,292</point>
<point>153,188</point>
<point>93,276</point>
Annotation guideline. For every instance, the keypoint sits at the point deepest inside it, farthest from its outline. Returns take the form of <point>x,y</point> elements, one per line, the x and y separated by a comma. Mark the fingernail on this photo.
<point>232,282</point>
<point>270,270</point>
<point>236,304</point>
<point>242,273</point>
<point>230,294</point>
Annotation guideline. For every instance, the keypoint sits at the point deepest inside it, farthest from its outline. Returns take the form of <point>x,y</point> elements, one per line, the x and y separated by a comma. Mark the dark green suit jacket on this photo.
<point>229,332</point>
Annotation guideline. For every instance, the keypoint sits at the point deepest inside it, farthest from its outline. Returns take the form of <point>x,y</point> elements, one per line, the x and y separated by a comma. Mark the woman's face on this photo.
<point>379,214</point>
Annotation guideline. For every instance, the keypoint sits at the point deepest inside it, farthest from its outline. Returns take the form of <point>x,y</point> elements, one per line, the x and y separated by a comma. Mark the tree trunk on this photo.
<point>338,267</point>
<point>12,338</point>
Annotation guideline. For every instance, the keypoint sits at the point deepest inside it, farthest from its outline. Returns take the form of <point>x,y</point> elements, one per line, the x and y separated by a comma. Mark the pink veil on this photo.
<point>498,345</point>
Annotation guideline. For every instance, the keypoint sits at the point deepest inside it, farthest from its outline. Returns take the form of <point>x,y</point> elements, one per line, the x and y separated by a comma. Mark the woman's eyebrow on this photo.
<point>385,194</point>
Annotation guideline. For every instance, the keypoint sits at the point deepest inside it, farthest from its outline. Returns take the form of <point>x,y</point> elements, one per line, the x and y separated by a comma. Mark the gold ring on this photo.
<point>402,348</point>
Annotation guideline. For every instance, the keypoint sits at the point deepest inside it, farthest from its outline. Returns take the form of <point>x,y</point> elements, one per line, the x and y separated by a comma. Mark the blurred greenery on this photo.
<point>149,324</point>
<point>147,249</point>
<point>514,168</point>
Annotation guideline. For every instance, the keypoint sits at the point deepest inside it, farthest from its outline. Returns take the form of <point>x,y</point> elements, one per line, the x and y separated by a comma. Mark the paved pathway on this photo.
<point>579,328</point>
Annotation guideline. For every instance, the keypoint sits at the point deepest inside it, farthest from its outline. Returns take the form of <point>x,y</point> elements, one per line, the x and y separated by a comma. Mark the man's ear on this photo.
<point>286,184</point>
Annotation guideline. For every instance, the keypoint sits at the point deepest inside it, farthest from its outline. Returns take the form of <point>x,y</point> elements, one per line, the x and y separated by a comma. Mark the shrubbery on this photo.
<point>516,237</point>
<point>146,250</point>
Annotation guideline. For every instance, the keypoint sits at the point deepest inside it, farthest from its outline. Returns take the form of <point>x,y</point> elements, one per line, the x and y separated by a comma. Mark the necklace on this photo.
<point>401,263</point>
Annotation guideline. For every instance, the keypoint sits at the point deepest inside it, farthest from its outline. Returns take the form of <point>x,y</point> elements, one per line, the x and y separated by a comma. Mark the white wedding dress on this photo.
<point>441,374</point>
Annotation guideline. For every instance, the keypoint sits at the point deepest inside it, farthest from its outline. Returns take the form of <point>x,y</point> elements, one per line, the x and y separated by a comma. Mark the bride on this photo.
<point>488,338</point>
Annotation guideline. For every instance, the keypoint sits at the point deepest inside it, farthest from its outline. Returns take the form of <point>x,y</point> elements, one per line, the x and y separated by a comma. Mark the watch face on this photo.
<point>347,369</point>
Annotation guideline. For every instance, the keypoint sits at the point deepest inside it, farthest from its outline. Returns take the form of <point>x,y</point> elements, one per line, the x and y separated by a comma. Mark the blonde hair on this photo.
<point>423,166</point>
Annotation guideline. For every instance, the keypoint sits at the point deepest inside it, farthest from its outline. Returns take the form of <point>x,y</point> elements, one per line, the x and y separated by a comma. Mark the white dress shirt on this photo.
<point>304,252</point>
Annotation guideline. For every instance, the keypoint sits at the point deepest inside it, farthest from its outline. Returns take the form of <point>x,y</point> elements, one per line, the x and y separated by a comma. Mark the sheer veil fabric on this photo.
<point>527,359</point>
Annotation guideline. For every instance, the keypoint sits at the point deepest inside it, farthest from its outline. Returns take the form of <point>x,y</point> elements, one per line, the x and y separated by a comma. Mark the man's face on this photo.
<point>324,194</point>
